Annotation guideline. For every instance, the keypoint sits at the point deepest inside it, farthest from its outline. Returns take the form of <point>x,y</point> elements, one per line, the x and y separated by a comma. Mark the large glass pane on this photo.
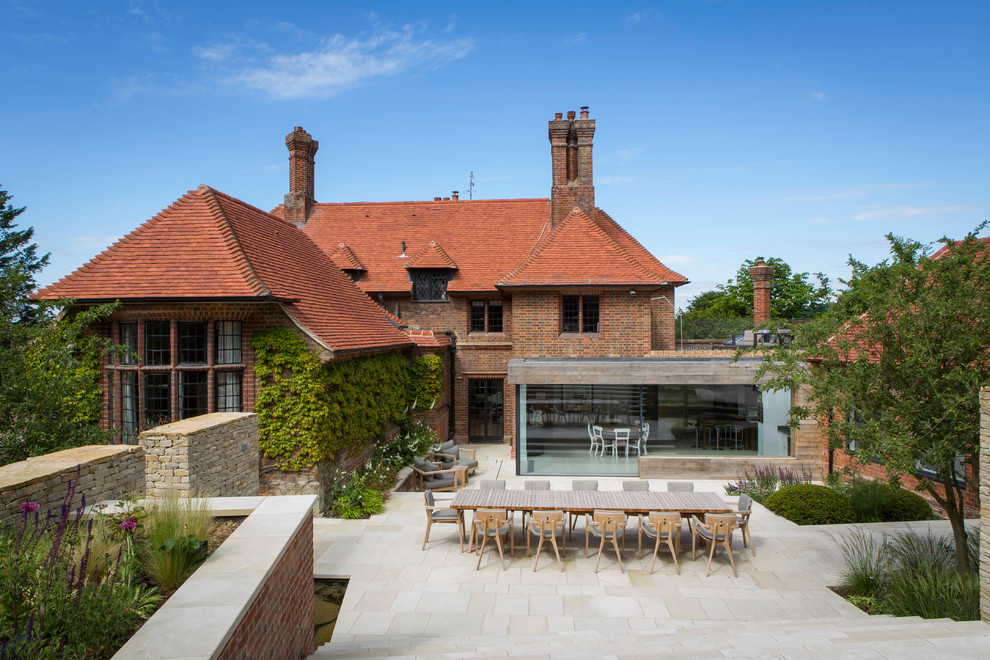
<point>485,410</point>
<point>582,429</point>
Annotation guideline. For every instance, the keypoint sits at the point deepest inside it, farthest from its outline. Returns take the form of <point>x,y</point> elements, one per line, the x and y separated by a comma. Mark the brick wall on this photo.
<point>279,623</point>
<point>253,598</point>
<point>105,472</point>
<point>214,454</point>
<point>985,503</point>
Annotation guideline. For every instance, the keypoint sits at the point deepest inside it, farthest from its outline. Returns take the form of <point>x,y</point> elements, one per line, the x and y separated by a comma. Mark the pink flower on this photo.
<point>30,507</point>
<point>129,525</point>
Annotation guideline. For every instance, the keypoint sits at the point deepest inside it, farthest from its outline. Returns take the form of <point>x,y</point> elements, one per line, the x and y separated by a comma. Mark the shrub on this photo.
<point>177,530</point>
<point>865,561</point>
<point>909,575</point>
<point>876,501</point>
<point>51,604</point>
<point>810,504</point>
<point>765,480</point>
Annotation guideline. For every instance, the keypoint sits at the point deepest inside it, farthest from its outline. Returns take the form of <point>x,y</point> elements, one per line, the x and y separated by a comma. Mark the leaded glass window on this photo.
<point>429,285</point>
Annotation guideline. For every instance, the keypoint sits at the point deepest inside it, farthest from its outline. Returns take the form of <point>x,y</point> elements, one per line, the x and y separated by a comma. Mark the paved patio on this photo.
<point>402,601</point>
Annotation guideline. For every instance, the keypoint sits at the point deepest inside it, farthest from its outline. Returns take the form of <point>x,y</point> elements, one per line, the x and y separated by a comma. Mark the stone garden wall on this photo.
<point>985,503</point>
<point>101,472</point>
<point>215,455</point>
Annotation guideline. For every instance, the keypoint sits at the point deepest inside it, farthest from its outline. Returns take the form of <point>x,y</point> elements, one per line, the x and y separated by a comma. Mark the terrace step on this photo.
<point>829,637</point>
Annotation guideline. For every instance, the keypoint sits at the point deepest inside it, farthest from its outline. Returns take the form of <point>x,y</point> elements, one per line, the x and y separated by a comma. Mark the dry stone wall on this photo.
<point>215,454</point>
<point>985,503</point>
<point>100,472</point>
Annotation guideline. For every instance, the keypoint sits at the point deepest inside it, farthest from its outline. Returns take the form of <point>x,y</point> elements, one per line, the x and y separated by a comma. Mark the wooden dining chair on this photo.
<point>608,443</point>
<point>440,514</point>
<point>580,484</point>
<point>594,441</point>
<point>644,435</point>
<point>546,524</point>
<point>493,524</point>
<point>716,531</point>
<point>744,510</point>
<point>608,526</point>
<point>665,528</point>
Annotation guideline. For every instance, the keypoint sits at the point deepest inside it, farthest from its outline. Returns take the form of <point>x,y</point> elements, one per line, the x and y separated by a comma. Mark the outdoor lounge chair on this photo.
<point>439,514</point>
<point>608,526</point>
<point>716,531</point>
<point>430,476</point>
<point>665,528</point>
<point>450,454</point>
<point>493,524</point>
<point>546,524</point>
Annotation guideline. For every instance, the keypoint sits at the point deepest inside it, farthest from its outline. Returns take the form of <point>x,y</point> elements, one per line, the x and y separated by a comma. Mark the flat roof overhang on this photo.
<point>632,371</point>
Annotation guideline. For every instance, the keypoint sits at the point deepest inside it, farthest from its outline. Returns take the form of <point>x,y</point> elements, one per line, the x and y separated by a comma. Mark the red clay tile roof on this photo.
<point>209,245</point>
<point>580,251</point>
<point>487,239</point>
<point>345,259</point>
<point>431,256</point>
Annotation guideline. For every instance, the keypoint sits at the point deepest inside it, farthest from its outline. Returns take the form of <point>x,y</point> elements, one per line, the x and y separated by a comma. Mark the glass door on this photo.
<point>485,410</point>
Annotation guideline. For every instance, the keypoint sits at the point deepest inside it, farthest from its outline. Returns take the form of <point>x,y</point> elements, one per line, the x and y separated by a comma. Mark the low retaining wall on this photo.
<point>105,472</point>
<point>215,454</point>
<point>985,503</point>
<point>252,598</point>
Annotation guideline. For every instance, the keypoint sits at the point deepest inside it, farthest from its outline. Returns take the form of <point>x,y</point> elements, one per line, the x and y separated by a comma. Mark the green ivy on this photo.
<point>309,412</point>
<point>426,383</point>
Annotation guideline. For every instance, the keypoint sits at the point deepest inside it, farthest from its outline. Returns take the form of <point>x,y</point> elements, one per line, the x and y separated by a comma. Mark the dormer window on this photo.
<point>429,285</point>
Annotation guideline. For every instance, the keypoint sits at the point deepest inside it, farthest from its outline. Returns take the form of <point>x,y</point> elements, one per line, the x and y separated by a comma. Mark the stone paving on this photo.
<point>403,601</point>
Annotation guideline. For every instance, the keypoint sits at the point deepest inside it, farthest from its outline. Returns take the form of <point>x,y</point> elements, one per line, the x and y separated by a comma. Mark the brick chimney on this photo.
<point>302,153</point>
<point>570,152</point>
<point>761,274</point>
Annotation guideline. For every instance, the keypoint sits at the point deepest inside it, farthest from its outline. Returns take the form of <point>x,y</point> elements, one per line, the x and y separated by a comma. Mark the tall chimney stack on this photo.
<point>570,153</point>
<point>302,153</point>
<point>761,274</point>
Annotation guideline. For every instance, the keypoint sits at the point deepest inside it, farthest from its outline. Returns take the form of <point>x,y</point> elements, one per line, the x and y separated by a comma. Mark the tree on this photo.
<point>792,295</point>
<point>894,369</point>
<point>50,395</point>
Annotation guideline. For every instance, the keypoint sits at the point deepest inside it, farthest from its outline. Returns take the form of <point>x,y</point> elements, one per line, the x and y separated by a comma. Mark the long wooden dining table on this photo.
<point>587,501</point>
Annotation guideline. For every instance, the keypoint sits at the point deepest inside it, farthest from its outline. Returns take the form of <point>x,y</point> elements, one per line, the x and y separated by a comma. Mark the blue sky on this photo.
<point>725,130</point>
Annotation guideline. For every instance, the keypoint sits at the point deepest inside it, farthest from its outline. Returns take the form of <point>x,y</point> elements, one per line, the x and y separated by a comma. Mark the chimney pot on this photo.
<point>570,114</point>
<point>584,112</point>
<point>436,199</point>
<point>456,195</point>
<point>298,129</point>
<point>558,116</point>
<point>446,199</point>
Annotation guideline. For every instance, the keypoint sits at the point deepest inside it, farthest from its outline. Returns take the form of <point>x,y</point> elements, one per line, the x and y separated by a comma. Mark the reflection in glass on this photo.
<point>559,423</point>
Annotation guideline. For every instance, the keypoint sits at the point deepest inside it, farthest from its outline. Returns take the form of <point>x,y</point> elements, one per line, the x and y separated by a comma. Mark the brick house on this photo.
<point>195,283</point>
<point>554,320</point>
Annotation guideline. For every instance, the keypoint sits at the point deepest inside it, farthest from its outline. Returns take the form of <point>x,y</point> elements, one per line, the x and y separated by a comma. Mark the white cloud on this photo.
<point>859,190</point>
<point>902,212</point>
<point>818,96</point>
<point>576,39</point>
<point>639,16</point>
<point>336,63</point>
